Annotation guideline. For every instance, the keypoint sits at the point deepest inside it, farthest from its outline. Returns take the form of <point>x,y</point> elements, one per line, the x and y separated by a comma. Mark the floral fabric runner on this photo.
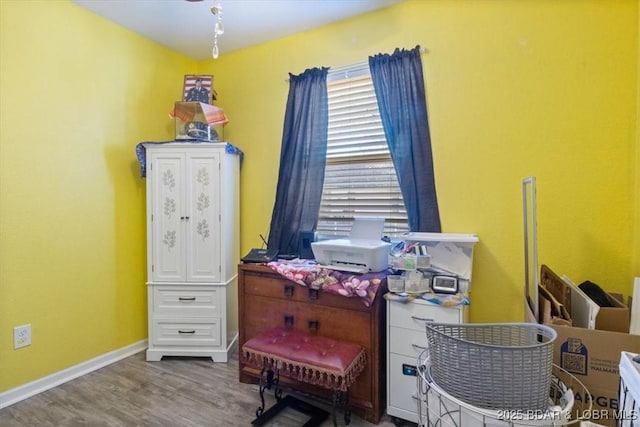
<point>444,300</point>
<point>308,273</point>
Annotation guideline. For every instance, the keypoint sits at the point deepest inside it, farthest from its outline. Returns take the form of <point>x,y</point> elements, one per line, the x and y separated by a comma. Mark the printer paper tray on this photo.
<point>352,268</point>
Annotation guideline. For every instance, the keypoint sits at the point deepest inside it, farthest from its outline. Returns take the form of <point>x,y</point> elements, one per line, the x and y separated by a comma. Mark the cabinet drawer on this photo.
<point>331,322</point>
<point>403,387</point>
<point>277,286</point>
<point>413,315</point>
<point>186,332</point>
<point>187,301</point>
<point>407,342</point>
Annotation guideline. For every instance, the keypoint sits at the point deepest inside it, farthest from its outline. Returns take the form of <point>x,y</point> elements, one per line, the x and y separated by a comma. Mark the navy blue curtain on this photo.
<point>399,86</point>
<point>302,160</point>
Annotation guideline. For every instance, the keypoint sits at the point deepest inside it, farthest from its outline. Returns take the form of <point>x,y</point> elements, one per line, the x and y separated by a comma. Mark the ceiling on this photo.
<point>187,26</point>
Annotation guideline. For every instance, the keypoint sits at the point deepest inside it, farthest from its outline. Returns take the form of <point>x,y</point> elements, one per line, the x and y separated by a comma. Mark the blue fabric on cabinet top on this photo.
<point>142,155</point>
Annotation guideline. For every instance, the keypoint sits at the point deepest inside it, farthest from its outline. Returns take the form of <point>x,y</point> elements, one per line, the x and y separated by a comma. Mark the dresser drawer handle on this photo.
<point>288,321</point>
<point>186,298</point>
<point>288,291</point>
<point>419,347</point>
<point>191,332</point>
<point>313,294</point>
<point>423,319</point>
<point>314,325</point>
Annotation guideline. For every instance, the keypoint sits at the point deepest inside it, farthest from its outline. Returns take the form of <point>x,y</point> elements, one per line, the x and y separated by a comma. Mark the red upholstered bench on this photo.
<point>312,359</point>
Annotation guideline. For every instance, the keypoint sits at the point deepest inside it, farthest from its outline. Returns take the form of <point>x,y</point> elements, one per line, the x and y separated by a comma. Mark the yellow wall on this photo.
<point>77,94</point>
<point>636,222</point>
<point>514,87</point>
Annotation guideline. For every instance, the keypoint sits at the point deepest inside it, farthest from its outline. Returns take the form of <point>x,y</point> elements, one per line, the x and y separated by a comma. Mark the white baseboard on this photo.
<point>25,391</point>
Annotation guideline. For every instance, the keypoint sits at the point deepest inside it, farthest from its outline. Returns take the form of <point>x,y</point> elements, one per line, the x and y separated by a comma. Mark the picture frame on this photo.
<point>199,88</point>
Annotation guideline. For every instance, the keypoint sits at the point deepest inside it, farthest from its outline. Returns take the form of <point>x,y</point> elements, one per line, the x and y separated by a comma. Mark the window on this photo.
<point>360,180</point>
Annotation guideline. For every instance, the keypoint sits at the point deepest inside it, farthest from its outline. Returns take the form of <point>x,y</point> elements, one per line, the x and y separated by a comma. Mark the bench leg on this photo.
<point>266,384</point>
<point>340,400</point>
<point>269,379</point>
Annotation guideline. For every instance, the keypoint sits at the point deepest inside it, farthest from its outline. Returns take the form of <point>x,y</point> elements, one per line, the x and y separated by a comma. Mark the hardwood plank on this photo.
<point>175,392</point>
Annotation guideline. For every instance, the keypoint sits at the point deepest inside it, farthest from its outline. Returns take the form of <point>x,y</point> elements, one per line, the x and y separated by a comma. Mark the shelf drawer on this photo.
<point>414,315</point>
<point>403,387</point>
<point>407,342</point>
<point>187,301</point>
<point>274,285</point>
<point>203,332</point>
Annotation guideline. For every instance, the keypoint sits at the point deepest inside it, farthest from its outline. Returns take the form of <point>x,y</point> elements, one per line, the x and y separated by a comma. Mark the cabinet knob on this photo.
<point>288,290</point>
<point>314,325</point>
<point>288,321</point>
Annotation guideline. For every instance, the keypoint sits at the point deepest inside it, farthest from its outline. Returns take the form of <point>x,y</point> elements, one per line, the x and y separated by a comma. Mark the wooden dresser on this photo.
<point>267,299</point>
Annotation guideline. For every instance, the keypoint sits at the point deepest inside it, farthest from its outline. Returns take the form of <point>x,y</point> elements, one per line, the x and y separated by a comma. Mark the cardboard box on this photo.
<point>615,318</point>
<point>593,357</point>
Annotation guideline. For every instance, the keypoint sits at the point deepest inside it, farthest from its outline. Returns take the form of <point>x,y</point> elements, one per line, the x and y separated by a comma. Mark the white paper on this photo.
<point>583,309</point>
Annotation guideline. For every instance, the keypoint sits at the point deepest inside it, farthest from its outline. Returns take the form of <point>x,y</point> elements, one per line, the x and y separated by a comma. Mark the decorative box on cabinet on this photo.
<point>192,249</point>
<point>406,333</point>
<point>266,297</point>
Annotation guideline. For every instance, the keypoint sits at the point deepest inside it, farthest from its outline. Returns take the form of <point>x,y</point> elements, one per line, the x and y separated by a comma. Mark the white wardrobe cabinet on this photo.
<point>192,249</point>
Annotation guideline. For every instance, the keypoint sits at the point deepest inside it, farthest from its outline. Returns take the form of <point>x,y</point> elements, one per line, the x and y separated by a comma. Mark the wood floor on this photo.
<point>174,392</point>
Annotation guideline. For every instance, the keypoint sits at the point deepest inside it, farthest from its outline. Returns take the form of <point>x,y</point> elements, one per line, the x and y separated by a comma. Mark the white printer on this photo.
<point>362,252</point>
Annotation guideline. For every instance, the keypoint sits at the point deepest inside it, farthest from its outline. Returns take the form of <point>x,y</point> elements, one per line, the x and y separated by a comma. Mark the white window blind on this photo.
<point>360,180</point>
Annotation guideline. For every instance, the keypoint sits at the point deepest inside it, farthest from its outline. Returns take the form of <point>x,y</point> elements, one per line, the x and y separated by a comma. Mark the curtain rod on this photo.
<point>357,66</point>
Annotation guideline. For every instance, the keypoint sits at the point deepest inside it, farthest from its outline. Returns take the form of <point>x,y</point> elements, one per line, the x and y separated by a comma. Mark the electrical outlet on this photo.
<point>21,336</point>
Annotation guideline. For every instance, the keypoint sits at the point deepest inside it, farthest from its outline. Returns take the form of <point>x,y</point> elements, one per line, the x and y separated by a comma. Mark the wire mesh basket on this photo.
<point>493,365</point>
<point>436,408</point>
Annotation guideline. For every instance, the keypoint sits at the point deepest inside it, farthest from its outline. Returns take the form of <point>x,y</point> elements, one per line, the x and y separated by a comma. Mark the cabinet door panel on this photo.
<point>203,211</point>
<point>167,218</point>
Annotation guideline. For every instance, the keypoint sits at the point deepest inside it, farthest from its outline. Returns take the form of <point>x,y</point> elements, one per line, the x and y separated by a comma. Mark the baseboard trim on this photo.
<point>25,391</point>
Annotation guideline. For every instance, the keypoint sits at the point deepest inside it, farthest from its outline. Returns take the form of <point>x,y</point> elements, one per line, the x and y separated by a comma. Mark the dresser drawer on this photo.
<point>415,314</point>
<point>187,301</point>
<point>403,386</point>
<point>202,331</point>
<point>407,342</point>
<point>275,285</point>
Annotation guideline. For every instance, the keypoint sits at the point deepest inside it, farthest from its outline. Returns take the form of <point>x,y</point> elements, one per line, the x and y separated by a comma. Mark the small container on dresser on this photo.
<point>192,249</point>
<point>406,318</point>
